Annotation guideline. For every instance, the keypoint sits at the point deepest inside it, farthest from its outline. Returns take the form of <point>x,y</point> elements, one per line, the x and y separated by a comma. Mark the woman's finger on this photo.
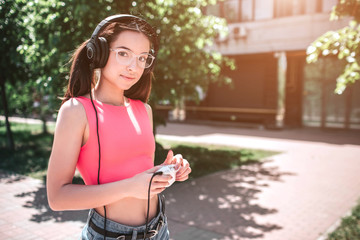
<point>159,185</point>
<point>169,158</point>
<point>185,162</point>
<point>184,167</point>
<point>183,178</point>
<point>183,174</point>
<point>162,178</point>
<point>178,158</point>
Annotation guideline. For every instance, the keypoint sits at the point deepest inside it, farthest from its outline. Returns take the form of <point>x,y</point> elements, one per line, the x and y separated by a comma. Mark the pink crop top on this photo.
<point>126,141</point>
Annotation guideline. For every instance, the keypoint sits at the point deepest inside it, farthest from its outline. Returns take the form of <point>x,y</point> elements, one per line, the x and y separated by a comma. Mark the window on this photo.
<point>328,4</point>
<point>247,13</point>
<point>284,8</point>
<point>318,5</point>
<point>231,10</point>
<point>239,10</point>
<point>213,10</point>
<point>313,6</point>
<point>299,7</point>
<point>264,9</point>
<point>250,10</point>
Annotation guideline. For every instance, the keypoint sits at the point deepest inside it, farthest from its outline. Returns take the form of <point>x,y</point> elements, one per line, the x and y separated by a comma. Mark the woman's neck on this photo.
<point>109,95</point>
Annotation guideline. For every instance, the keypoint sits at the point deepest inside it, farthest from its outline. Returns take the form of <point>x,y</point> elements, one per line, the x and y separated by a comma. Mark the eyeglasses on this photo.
<point>125,56</point>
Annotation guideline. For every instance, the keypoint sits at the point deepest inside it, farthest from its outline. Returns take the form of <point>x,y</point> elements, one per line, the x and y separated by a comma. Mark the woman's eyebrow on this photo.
<point>130,49</point>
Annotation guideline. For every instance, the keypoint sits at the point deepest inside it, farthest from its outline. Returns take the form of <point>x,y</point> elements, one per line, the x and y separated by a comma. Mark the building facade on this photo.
<point>272,84</point>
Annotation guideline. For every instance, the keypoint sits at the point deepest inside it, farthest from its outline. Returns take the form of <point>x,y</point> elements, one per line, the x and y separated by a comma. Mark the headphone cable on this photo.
<point>98,137</point>
<point>98,178</point>
<point>148,203</point>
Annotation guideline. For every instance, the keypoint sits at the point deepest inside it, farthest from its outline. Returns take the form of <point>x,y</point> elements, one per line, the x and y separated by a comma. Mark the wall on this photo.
<point>281,34</point>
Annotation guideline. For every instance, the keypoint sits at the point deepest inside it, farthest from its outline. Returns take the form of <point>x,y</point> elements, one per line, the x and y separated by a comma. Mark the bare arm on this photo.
<point>62,194</point>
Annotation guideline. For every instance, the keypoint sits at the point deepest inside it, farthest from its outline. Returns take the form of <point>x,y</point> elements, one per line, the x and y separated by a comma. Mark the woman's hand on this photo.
<point>180,163</point>
<point>141,181</point>
<point>185,169</point>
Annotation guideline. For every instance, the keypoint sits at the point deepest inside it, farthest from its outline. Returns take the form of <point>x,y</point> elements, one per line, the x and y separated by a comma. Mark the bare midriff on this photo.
<point>130,211</point>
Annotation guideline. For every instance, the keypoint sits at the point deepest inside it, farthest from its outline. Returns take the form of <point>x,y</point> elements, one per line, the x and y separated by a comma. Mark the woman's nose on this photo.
<point>132,65</point>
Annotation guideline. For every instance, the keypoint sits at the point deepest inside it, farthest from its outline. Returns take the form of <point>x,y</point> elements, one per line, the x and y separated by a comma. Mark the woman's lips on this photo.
<point>127,78</point>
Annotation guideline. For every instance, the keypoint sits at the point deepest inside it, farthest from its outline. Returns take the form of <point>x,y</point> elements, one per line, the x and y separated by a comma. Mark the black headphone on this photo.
<point>97,49</point>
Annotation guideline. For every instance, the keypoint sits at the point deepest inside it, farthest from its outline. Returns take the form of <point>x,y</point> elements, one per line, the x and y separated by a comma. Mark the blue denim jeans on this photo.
<point>89,233</point>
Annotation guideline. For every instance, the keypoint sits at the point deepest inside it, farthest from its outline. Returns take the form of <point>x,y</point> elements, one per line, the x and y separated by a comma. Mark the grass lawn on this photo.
<point>349,228</point>
<point>206,159</point>
<point>33,150</point>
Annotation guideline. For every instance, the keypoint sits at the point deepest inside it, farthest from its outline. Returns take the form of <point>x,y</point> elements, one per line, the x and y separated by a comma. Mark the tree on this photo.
<point>344,43</point>
<point>55,28</point>
<point>12,66</point>
<point>185,33</point>
<point>183,63</point>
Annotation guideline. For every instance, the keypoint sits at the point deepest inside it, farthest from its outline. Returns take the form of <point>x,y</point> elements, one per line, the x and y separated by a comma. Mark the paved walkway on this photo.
<point>298,194</point>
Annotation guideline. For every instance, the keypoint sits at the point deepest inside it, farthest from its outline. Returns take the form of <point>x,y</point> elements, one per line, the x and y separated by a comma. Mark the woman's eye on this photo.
<point>143,58</point>
<point>123,54</point>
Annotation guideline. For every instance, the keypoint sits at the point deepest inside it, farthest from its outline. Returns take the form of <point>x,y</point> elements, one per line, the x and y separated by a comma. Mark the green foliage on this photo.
<point>55,28</point>
<point>349,228</point>
<point>343,43</point>
<point>13,68</point>
<point>12,34</point>
<point>184,61</point>
<point>20,97</point>
<point>346,8</point>
<point>32,150</point>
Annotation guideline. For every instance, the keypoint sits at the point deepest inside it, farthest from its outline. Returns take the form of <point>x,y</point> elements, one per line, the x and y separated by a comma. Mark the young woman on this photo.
<point>104,129</point>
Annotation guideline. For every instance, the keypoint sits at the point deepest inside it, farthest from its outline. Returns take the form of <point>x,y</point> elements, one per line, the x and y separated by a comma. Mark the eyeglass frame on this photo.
<point>134,55</point>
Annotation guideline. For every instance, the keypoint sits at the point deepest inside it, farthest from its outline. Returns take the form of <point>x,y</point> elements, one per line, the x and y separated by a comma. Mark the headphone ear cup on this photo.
<point>97,53</point>
<point>104,52</point>
<point>90,50</point>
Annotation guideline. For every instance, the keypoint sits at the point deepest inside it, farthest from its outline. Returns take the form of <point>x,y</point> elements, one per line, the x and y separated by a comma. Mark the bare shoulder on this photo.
<point>72,114</point>
<point>148,108</point>
<point>72,108</point>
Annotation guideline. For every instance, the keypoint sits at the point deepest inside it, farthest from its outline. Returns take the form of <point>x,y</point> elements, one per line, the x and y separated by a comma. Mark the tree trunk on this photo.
<point>45,131</point>
<point>10,138</point>
<point>43,115</point>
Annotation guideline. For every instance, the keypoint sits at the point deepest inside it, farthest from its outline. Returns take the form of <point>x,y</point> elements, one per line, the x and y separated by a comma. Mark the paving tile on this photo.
<point>295,195</point>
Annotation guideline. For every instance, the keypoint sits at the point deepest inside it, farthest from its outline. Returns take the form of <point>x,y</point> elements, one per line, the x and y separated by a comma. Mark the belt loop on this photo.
<point>134,234</point>
<point>162,199</point>
<point>91,213</point>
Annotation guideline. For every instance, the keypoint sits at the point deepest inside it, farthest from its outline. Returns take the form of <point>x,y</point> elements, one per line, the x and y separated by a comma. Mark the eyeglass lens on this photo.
<point>124,57</point>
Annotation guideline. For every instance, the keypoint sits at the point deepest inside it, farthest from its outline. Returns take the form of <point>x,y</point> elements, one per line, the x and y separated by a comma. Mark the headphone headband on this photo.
<point>114,18</point>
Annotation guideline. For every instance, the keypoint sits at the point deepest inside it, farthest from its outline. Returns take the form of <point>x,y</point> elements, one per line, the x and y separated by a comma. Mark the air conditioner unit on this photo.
<point>239,32</point>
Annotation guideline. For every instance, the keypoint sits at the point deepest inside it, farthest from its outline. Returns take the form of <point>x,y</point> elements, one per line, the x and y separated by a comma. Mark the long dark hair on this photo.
<point>82,77</point>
